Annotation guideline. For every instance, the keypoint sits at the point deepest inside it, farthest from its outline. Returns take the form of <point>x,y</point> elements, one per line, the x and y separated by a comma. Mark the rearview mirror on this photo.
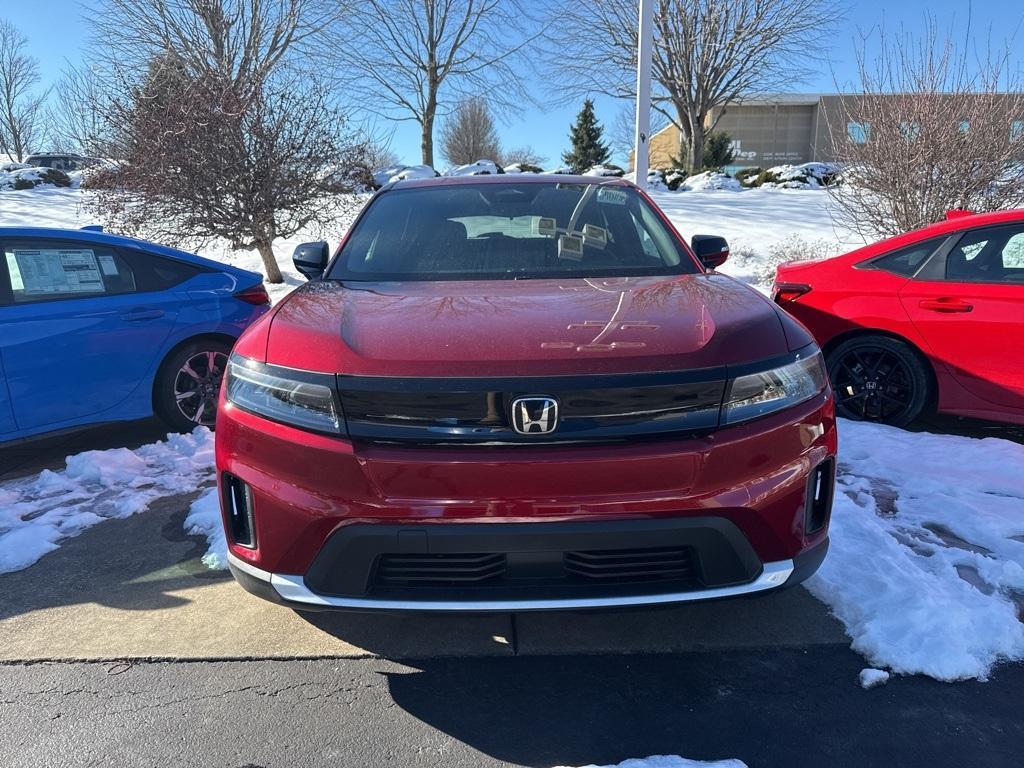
<point>712,250</point>
<point>311,259</point>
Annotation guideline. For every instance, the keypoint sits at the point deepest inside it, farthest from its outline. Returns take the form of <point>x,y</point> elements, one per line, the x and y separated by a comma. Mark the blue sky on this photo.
<point>57,32</point>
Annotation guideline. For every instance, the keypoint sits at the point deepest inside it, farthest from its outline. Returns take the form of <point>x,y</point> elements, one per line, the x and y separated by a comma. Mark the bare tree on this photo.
<point>930,128</point>
<point>79,112</point>
<point>238,41</point>
<point>220,134</point>
<point>707,53</point>
<point>525,155</point>
<point>196,166</point>
<point>468,134</point>
<point>21,104</point>
<point>416,59</point>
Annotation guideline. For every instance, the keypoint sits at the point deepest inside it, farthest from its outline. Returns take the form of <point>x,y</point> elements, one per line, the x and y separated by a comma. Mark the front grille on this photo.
<point>412,573</point>
<point>440,569</point>
<point>590,408</point>
<point>631,564</point>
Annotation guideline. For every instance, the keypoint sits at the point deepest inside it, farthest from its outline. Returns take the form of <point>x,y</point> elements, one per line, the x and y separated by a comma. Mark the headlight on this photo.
<point>757,394</point>
<point>300,398</point>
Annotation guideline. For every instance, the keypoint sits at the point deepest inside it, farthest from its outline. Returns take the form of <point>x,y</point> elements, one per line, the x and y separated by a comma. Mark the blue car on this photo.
<point>95,327</point>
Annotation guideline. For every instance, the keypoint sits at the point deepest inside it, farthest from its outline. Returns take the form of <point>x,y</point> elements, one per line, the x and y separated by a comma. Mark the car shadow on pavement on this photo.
<point>131,564</point>
<point>766,706</point>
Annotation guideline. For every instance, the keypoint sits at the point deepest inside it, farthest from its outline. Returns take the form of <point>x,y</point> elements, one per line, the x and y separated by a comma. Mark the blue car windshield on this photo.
<point>510,231</point>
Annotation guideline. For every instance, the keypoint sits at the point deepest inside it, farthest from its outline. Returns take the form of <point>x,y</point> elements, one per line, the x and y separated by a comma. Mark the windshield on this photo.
<point>489,231</point>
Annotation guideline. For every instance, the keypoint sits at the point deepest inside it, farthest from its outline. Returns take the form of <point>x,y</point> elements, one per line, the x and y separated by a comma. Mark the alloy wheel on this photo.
<point>873,384</point>
<point>197,386</point>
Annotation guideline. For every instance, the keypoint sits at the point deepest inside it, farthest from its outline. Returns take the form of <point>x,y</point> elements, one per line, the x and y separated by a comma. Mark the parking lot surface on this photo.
<point>121,648</point>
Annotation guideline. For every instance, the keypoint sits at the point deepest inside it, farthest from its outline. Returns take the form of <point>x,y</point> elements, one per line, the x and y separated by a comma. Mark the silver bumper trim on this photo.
<point>294,589</point>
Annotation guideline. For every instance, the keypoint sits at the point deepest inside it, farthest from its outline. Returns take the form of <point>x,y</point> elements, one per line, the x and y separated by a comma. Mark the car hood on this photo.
<point>524,327</point>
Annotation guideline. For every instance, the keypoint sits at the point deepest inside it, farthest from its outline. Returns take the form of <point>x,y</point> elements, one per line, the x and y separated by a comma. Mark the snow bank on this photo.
<point>711,180</point>
<point>803,176</point>
<point>401,173</point>
<point>38,513</point>
<point>926,568</point>
<point>20,177</point>
<point>605,170</point>
<point>479,168</point>
<point>672,761</point>
<point>523,168</point>
<point>204,520</point>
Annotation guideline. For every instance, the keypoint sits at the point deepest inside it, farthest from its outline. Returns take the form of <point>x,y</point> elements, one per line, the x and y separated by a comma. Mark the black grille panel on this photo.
<point>631,564</point>
<point>465,573</point>
<point>440,568</point>
<point>603,407</point>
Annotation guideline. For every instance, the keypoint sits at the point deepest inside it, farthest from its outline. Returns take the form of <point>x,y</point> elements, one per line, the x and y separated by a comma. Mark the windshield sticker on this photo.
<point>58,270</point>
<point>570,247</point>
<point>611,196</point>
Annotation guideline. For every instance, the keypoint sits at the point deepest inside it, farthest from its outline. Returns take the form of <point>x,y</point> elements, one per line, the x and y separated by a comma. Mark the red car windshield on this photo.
<point>510,231</point>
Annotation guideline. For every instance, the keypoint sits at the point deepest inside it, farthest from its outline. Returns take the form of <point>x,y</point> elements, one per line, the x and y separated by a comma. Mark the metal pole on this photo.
<point>645,41</point>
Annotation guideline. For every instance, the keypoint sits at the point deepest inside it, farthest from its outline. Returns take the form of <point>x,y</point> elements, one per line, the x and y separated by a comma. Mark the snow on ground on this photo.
<point>204,519</point>
<point>763,226</point>
<point>926,567</point>
<point>39,512</point>
<point>49,206</point>
<point>872,678</point>
<point>673,761</point>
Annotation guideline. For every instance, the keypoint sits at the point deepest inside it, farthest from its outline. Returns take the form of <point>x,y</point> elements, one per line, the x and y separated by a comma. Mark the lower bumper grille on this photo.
<point>631,564</point>
<point>672,565</point>
<point>440,569</point>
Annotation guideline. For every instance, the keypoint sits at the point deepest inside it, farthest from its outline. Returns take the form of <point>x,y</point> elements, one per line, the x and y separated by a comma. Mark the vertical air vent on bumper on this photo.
<point>820,488</point>
<point>238,503</point>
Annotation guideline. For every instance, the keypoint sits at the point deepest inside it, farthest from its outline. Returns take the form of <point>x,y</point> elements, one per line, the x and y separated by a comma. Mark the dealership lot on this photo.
<point>124,628</point>
<point>151,639</point>
<point>156,599</point>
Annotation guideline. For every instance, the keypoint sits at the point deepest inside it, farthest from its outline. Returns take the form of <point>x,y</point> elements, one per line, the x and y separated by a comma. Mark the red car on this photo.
<point>930,319</point>
<point>522,393</point>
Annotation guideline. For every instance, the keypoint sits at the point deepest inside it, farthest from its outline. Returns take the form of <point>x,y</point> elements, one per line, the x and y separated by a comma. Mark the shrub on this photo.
<point>791,248</point>
<point>672,178</point>
<point>748,176</point>
<point>30,177</point>
<point>718,151</point>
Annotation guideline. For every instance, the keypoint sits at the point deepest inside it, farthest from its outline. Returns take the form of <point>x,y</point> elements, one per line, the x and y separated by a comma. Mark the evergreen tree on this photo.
<point>718,151</point>
<point>587,148</point>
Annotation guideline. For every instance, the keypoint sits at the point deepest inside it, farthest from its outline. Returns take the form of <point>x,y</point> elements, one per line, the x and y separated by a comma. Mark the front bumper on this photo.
<point>311,492</point>
<point>292,591</point>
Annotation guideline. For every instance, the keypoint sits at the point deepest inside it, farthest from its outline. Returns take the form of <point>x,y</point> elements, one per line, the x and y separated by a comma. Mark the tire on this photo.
<point>880,379</point>
<point>197,367</point>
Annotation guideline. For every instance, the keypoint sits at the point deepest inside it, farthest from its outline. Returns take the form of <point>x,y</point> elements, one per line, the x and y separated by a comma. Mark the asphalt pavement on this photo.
<point>122,649</point>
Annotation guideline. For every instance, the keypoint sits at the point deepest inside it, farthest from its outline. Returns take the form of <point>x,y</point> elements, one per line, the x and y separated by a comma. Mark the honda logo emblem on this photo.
<point>535,415</point>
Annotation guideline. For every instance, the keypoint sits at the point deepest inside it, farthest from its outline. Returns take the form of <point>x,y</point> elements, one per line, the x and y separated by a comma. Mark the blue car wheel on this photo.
<point>188,384</point>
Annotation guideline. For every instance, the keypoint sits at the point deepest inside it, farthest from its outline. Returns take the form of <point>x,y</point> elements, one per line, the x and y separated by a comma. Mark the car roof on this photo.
<point>959,221</point>
<point>509,178</point>
<point>121,241</point>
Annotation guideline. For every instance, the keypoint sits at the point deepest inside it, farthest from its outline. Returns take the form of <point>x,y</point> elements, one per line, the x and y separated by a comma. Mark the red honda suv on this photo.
<point>520,393</point>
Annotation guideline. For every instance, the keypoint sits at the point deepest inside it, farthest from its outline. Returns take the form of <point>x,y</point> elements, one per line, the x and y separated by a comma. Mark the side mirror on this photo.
<point>311,259</point>
<point>712,250</point>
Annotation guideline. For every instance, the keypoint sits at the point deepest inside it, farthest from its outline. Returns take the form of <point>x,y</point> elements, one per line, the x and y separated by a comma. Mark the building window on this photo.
<point>1016,129</point>
<point>859,133</point>
<point>909,131</point>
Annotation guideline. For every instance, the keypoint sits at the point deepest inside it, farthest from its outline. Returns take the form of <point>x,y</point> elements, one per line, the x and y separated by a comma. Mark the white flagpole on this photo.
<point>645,40</point>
